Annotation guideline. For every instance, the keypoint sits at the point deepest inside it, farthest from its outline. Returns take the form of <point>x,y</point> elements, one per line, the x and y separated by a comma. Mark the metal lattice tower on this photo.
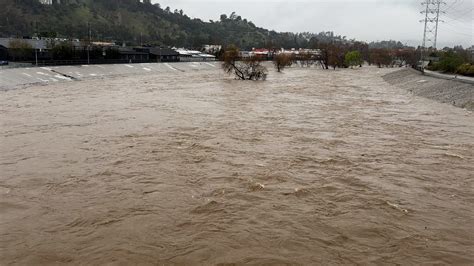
<point>432,13</point>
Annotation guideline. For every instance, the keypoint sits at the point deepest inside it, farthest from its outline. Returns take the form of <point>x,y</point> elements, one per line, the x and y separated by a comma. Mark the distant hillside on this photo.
<point>133,22</point>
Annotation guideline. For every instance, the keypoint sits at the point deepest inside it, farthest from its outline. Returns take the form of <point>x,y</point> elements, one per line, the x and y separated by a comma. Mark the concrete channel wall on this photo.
<point>19,77</point>
<point>442,89</point>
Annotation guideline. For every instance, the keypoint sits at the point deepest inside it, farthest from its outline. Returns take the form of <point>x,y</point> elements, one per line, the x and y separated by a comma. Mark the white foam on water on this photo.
<point>130,66</point>
<point>28,75</point>
<point>146,69</point>
<point>93,74</point>
<point>209,64</point>
<point>43,80</point>
<point>170,67</point>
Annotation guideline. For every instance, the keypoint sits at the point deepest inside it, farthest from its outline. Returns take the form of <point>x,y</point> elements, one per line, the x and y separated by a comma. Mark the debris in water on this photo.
<point>454,155</point>
<point>257,187</point>
<point>395,206</point>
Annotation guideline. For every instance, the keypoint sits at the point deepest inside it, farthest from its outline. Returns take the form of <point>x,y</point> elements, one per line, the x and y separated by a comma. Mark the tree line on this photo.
<point>325,55</point>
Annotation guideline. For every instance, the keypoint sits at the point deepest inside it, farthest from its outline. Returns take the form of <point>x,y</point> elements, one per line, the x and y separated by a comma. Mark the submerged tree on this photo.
<point>353,58</point>
<point>332,55</point>
<point>306,59</point>
<point>281,61</point>
<point>335,56</point>
<point>380,57</point>
<point>408,56</point>
<point>243,68</point>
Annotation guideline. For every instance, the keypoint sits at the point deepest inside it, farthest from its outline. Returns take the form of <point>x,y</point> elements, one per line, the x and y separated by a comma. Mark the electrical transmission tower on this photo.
<point>432,11</point>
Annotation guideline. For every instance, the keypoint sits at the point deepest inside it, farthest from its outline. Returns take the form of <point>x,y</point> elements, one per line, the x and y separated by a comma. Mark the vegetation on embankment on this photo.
<point>466,70</point>
<point>456,61</point>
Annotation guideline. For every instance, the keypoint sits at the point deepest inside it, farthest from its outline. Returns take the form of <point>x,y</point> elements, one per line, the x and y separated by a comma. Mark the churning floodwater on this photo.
<point>308,167</point>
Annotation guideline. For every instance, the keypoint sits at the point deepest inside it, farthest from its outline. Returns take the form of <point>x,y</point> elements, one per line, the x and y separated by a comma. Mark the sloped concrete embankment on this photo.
<point>18,77</point>
<point>458,93</point>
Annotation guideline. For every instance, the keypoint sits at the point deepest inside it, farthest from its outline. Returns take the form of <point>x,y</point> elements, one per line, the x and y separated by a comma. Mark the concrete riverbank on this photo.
<point>18,77</point>
<point>441,89</point>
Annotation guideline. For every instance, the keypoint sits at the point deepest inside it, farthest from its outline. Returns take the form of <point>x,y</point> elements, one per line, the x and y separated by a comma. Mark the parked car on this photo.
<point>3,63</point>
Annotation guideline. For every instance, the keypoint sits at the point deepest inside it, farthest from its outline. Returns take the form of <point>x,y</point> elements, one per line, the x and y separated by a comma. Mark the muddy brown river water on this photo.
<point>309,167</point>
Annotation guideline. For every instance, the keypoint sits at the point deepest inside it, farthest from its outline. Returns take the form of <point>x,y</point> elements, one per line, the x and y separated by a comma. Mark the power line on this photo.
<point>464,13</point>
<point>452,5</point>
<point>459,25</point>
<point>454,29</point>
<point>458,20</point>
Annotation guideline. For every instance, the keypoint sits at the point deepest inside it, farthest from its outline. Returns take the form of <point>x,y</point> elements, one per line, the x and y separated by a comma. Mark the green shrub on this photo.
<point>450,62</point>
<point>466,70</point>
<point>433,66</point>
<point>353,58</point>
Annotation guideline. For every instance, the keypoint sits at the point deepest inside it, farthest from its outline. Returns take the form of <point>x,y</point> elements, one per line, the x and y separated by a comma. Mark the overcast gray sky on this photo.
<point>368,20</point>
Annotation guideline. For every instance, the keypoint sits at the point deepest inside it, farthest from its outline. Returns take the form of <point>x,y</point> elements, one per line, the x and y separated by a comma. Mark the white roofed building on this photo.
<point>186,55</point>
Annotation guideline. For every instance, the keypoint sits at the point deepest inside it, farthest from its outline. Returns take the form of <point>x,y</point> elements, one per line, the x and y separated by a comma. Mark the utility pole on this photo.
<point>432,11</point>
<point>89,43</point>
<point>36,41</point>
